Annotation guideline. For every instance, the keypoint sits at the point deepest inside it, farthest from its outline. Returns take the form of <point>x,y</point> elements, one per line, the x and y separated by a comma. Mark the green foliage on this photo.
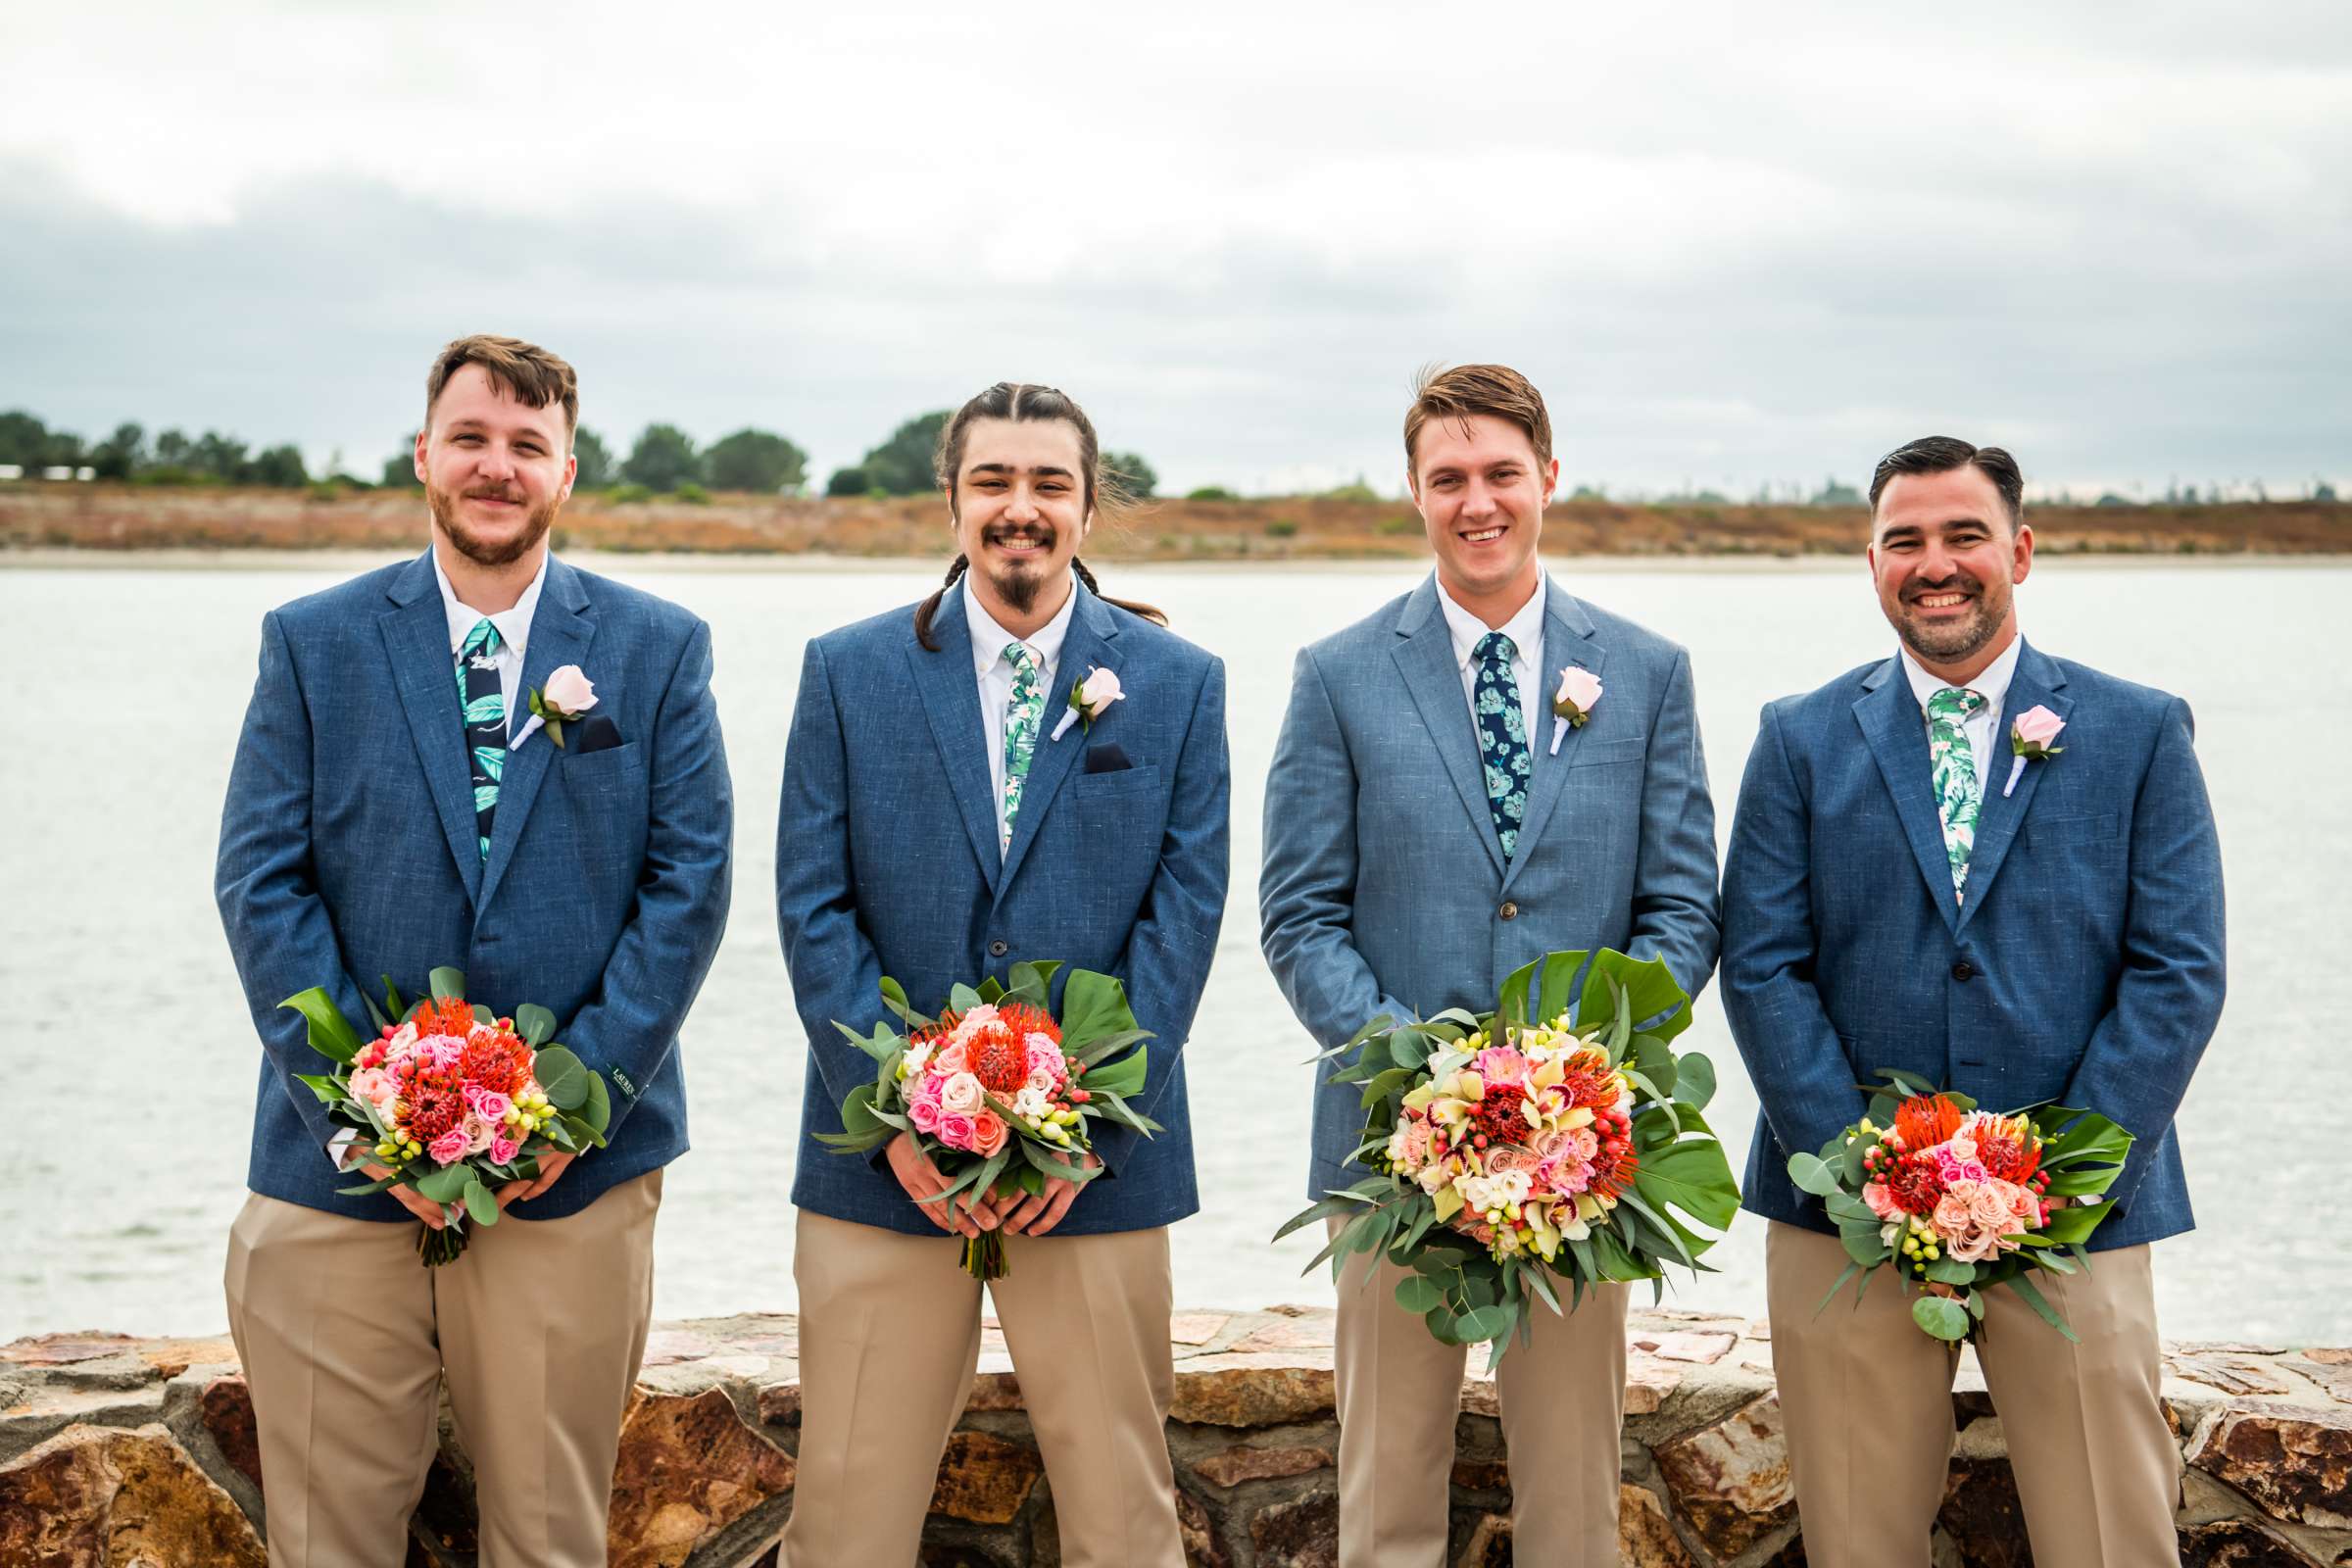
<point>625,495</point>
<point>1358,491</point>
<point>1280,527</point>
<point>759,462</point>
<point>23,439</point>
<point>851,481</point>
<point>694,495</point>
<point>1211,492</point>
<point>279,466</point>
<point>400,469</point>
<point>1130,473</point>
<point>595,459</point>
<point>1397,527</point>
<point>904,464</point>
<point>1837,493</point>
<point>122,455</point>
<point>663,458</point>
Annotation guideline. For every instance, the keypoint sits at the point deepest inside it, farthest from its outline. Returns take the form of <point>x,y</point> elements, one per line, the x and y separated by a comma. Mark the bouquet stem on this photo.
<point>439,1247</point>
<point>984,1256</point>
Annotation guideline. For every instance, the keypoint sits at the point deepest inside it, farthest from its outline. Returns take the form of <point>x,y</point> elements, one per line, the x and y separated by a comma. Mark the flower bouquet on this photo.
<point>453,1099</point>
<point>1961,1199</point>
<point>1553,1144</point>
<point>995,1090</point>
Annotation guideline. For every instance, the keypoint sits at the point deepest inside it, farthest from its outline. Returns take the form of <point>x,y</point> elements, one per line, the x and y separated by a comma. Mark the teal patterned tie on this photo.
<point>1021,718</point>
<point>1501,737</point>
<point>1953,765</point>
<point>485,705</point>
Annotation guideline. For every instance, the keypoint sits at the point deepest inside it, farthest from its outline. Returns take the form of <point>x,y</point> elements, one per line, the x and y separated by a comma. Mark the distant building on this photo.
<point>12,470</point>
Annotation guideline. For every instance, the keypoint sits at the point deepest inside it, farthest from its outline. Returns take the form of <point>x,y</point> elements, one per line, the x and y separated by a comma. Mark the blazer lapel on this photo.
<point>2037,681</point>
<point>1090,642</point>
<point>1434,678</point>
<point>1898,733</point>
<point>1567,639</point>
<point>562,628</point>
<point>425,675</point>
<point>951,696</point>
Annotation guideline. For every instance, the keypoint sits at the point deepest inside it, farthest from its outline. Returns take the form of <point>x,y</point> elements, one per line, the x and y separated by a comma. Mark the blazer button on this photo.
<point>1964,970</point>
<point>1509,911</point>
<point>997,949</point>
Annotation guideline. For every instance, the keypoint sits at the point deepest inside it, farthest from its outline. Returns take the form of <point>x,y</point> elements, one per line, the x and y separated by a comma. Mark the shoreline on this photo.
<point>51,558</point>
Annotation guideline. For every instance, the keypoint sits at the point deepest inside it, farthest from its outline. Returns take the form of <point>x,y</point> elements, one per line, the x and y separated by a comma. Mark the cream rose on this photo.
<point>568,691</point>
<point>960,1095</point>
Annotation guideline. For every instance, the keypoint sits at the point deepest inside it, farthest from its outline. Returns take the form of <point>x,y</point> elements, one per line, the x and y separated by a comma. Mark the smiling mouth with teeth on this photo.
<point>1481,536</point>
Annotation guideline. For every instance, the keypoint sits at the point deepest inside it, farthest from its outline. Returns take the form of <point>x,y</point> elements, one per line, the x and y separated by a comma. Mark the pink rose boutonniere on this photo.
<point>2029,736</point>
<point>1573,703</point>
<point>567,695</point>
<point>1088,699</point>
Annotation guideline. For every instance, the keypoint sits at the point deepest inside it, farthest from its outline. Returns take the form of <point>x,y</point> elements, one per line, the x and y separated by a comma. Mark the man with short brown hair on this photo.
<point>387,815</point>
<point>1421,845</point>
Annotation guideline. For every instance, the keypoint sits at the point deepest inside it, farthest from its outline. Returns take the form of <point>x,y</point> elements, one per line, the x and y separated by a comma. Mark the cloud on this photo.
<point>1734,245</point>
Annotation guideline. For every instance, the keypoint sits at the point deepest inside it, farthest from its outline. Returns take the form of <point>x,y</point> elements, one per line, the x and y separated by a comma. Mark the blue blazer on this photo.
<point>887,864</point>
<point>1384,889</point>
<point>348,852</point>
<point>2086,966</point>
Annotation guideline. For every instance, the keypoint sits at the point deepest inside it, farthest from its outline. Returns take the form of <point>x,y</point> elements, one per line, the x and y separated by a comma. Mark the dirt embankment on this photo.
<point>116,518</point>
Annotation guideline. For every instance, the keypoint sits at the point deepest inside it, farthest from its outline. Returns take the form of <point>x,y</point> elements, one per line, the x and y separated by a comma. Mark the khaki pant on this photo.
<point>1563,1408</point>
<point>890,1339</point>
<point>345,1335</point>
<point>1867,1401</point>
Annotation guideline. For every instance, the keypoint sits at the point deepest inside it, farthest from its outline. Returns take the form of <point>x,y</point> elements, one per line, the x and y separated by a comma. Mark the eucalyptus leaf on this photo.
<point>535,1025</point>
<point>561,1077</point>
<point>448,984</point>
<point>1941,1316</point>
<point>480,1204</point>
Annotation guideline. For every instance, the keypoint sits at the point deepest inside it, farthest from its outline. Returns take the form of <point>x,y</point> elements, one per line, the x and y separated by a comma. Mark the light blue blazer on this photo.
<point>886,863</point>
<point>1384,889</point>
<point>2086,966</point>
<point>348,852</point>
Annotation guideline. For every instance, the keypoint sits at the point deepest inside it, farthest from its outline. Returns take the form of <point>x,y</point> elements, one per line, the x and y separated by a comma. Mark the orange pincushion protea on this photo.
<point>1589,1082</point>
<point>999,1053</point>
<point>2008,1147</point>
<point>1926,1120</point>
<point>444,1015</point>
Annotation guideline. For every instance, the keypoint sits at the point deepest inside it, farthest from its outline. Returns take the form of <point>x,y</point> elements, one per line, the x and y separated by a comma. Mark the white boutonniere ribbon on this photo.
<point>2029,736</point>
<point>568,694</point>
<point>1088,699</point>
<point>1573,703</point>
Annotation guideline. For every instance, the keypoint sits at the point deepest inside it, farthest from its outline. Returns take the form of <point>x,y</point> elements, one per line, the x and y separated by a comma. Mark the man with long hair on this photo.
<point>935,830</point>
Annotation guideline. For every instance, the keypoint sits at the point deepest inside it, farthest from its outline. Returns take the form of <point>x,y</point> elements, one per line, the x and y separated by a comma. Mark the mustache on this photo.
<point>1958,583</point>
<point>493,493</point>
<point>1021,533</point>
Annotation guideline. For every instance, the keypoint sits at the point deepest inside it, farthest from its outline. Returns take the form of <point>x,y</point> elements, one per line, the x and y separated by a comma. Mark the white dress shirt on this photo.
<point>995,672</point>
<point>514,630</point>
<point>1525,629</point>
<point>1982,729</point>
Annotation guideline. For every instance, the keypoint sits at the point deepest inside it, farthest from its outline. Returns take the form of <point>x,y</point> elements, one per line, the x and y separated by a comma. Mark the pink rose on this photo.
<point>2038,726</point>
<point>502,1148</point>
<point>988,1133</point>
<point>1579,689</point>
<point>1976,1246</point>
<point>568,692</point>
<point>1988,1207</point>
<point>961,1092</point>
<point>1953,1210</point>
<point>448,1147</point>
<point>955,1130</point>
<point>1100,690</point>
<point>478,1134</point>
<point>924,1113</point>
<point>950,1059</point>
<point>370,1084</point>
<point>488,1104</point>
<point>1046,1057</point>
<point>1882,1201</point>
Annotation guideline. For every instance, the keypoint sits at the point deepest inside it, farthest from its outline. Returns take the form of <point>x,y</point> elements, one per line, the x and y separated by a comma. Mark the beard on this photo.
<point>488,551</point>
<point>1950,642</point>
<point>1019,582</point>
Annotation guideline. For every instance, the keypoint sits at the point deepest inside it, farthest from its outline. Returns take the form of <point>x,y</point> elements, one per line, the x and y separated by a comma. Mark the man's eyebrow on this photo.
<point>1045,469</point>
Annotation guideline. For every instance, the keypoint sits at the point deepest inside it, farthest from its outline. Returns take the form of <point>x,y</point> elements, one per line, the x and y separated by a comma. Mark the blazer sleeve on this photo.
<point>1785,1035</point>
<point>836,973</point>
<point>1166,962</point>
<point>279,930</point>
<point>1306,885</point>
<point>2167,1001</point>
<point>664,952</point>
<point>1677,915</point>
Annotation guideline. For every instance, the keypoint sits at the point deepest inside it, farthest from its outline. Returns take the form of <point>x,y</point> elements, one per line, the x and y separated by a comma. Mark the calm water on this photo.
<point>128,1055</point>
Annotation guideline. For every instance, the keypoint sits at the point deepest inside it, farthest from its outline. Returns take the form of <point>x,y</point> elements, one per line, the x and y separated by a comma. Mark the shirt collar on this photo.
<point>1992,682</point>
<point>1524,628</point>
<point>513,626</point>
<point>989,638</point>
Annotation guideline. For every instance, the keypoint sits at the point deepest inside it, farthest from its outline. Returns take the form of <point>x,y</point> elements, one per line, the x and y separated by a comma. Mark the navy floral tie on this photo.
<point>485,704</point>
<point>1501,737</point>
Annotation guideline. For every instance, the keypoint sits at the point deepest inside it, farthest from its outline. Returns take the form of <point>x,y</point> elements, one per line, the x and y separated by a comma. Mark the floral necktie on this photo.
<point>485,705</point>
<point>1501,737</point>
<point>1953,766</point>
<point>1022,715</point>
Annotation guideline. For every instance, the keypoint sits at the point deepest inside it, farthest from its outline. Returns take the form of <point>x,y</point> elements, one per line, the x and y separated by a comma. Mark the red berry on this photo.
<point>1080,1097</point>
<point>1479,1141</point>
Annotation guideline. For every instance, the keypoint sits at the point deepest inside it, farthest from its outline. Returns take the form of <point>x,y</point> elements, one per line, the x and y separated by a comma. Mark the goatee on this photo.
<point>486,552</point>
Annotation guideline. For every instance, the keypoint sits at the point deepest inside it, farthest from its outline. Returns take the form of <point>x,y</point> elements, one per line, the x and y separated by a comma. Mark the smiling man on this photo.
<point>1423,839</point>
<point>937,828</point>
<point>1907,889</point>
<point>389,815</point>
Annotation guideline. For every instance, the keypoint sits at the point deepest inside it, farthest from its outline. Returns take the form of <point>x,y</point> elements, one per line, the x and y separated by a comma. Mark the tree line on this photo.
<point>171,457</point>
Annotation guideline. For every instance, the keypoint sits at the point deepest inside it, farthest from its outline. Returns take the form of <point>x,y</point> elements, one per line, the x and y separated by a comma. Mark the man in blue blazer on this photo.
<point>378,824</point>
<point>935,830</point>
<point>1427,834</point>
<point>1902,891</point>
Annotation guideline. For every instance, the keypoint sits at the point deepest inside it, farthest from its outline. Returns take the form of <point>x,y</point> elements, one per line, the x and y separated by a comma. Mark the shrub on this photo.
<point>622,495</point>
<point>1211,492</point>
<point>694,495</point>
<point>1396,526</point>
<point>1280,528</point>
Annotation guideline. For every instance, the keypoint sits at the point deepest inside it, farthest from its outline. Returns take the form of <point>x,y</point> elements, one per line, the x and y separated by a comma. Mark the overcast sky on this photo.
<point>1735,244</point>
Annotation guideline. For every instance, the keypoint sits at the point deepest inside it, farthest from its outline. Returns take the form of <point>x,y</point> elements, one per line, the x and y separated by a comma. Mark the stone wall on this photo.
<point>122,1450</point>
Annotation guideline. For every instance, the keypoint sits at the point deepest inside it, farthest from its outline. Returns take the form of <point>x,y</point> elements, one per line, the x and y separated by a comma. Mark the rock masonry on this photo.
<point>117,1450</point>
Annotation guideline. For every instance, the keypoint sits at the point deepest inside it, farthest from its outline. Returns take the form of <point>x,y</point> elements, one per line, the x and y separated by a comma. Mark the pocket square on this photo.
<point>595,733</point>
<point>1106,756</point>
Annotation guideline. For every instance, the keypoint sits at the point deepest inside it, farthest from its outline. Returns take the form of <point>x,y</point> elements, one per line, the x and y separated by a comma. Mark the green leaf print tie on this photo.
<point>485,707</point>
<point>1501,737</point>
<point>1021,718</point>
<point>1953,766</point>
